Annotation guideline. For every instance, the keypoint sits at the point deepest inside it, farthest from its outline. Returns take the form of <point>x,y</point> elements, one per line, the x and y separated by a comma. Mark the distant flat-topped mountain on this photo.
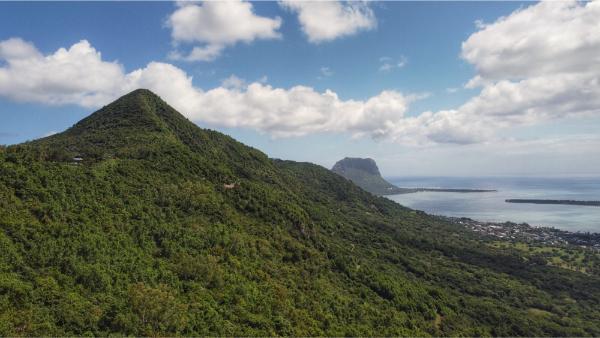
<point>365,173</point>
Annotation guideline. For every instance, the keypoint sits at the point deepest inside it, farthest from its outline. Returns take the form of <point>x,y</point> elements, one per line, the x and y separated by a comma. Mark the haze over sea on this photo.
<point>492,206</point>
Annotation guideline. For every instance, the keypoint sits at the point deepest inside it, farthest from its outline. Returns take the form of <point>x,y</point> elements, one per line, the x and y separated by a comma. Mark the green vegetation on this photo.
<point>586,260</point>
<point>142,237</point>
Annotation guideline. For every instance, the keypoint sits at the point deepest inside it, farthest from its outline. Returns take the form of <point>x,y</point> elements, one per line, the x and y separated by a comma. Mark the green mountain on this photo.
<point>137,222</point>
<point>364,173</point>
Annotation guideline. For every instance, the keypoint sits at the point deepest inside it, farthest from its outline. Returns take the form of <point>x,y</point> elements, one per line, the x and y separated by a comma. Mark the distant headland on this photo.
<point>365,173</point>
<point>543,201</point>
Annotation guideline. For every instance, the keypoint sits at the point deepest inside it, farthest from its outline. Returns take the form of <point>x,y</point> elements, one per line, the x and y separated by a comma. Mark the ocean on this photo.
<point>491,206</point>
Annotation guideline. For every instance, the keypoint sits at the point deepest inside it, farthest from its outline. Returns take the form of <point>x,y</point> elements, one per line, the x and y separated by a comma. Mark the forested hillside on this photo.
<point>137,222</point>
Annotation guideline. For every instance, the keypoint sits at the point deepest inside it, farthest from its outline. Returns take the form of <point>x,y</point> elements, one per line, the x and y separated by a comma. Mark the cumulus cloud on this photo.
<point>297,111</point>
<point>78,75</point>
<point>323,21</point>
<point>528,72</point>
<point>536,64</point>
<point>233,82</point>
<point>214,25</point>
<point>546,38</point>
<point>14,49</point>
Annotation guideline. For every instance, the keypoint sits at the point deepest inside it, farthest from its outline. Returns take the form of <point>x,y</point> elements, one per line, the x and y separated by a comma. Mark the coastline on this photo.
<point>492,207</point>
<point>549,201</point>
<point>400,191</point>
<point>527,233</point>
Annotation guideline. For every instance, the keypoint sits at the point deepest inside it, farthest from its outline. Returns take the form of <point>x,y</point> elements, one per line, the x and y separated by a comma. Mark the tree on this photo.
<point>157,310</point>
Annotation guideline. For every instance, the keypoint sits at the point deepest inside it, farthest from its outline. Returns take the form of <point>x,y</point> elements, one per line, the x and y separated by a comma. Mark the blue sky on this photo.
<point>423,43</point>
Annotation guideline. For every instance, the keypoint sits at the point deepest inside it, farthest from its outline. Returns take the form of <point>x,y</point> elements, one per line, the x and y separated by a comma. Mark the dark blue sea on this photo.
<point>492,206</point>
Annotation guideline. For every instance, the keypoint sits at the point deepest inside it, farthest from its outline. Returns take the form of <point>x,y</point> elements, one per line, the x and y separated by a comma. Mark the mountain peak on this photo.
<point>140,96</point>
<point>136,109</point>
<point>141,92</point>
<point>365,173</point>
<point>137,119</point>
<point>364,164</point>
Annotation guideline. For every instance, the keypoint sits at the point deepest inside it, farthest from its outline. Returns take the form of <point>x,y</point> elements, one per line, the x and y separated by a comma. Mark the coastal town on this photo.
<point>524,232</point>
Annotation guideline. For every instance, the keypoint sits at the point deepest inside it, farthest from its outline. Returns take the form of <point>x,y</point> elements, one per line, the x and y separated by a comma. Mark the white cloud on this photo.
<point>14,49</point>
<point>542,39</point>
<point>480,24</point>
<point>388,64</point>
<point>214,25</point>
<point>233,82</point>
<point>323,21</point>
<point>297,111</point>
<point>537,64</point>
<point>528,71</point>
<point>78,75</point>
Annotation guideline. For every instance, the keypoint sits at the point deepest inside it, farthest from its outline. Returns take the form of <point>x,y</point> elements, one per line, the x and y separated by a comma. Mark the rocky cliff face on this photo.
<point>367,165</point>
<point>365,173</point>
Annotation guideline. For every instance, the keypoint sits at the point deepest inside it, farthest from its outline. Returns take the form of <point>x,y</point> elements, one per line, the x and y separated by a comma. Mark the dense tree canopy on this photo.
<point>146,236</point>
